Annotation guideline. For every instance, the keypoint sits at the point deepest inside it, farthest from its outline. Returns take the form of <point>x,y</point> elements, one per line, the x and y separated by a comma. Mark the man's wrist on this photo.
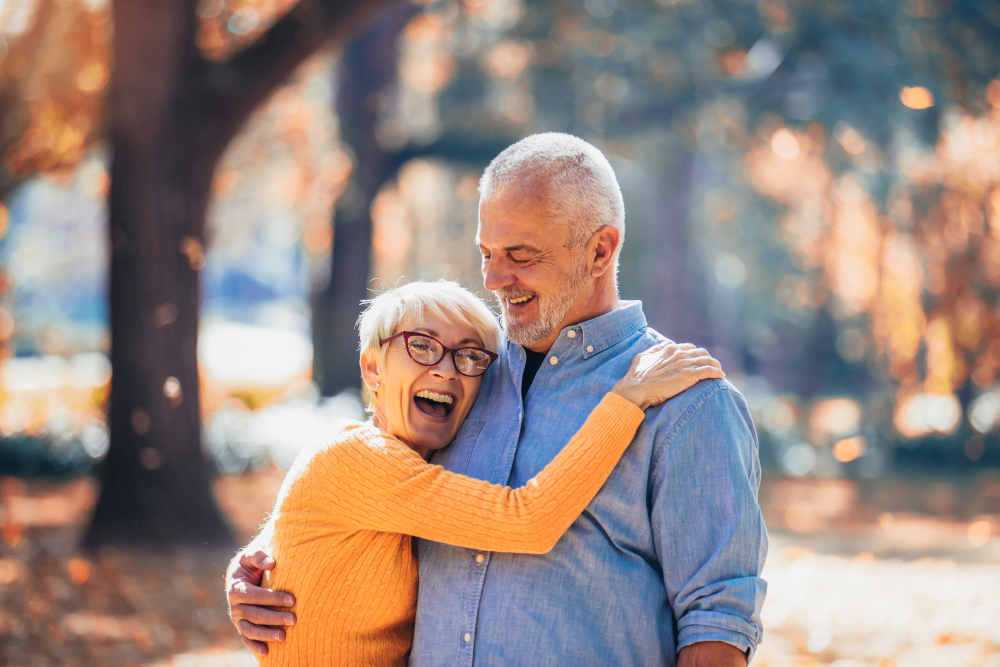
<point>711,654</point>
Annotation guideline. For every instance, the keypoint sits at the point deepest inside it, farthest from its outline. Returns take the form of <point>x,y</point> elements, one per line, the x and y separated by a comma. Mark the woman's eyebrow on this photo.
<point>431,332</point>
<point>425,330</point>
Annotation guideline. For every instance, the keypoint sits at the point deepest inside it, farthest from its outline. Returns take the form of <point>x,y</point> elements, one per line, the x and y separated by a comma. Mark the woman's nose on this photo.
<point>445,368</point>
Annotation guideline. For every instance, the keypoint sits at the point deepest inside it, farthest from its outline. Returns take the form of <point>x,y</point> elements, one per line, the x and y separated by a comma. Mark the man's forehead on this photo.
<point>512,220</point>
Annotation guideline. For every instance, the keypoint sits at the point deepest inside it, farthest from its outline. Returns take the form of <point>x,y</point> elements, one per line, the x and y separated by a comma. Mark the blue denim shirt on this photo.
<point>669,553</point>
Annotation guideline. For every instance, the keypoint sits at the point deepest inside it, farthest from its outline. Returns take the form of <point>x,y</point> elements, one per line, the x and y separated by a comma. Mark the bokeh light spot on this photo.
<point>785,145</point>
<point>979,532</point>
<point>849,449</point>
<point>917,97</point>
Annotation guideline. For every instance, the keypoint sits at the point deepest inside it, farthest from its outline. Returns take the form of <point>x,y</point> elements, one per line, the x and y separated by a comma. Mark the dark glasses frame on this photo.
<point>493,356</point>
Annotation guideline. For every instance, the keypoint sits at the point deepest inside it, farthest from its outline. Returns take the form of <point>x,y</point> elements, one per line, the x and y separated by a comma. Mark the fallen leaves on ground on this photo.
<point>857,577</point>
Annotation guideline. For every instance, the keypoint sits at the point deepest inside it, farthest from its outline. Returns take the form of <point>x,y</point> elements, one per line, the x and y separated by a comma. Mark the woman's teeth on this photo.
<point>520,300</point>
<point>434,396</point>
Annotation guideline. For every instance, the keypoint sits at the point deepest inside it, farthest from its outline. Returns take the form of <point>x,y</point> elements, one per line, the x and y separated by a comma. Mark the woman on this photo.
<point>344,519</point>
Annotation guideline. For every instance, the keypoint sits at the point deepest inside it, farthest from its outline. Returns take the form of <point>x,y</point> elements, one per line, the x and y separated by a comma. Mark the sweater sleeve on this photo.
<point>378,483</point>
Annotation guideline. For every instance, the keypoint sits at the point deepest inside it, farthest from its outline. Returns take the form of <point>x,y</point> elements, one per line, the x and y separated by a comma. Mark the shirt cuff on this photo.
<point>713,626</point>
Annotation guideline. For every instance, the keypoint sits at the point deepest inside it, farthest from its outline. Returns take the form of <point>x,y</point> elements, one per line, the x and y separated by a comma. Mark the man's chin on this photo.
<point>524,335</point>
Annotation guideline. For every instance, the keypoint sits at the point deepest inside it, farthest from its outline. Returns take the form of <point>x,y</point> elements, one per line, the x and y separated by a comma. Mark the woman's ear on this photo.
<point>369,369</point>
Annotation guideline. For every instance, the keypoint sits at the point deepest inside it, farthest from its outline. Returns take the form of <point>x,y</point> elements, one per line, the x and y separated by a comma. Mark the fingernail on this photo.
<point>289,601</point>
<point>289,619</point>
<point>267,561</point>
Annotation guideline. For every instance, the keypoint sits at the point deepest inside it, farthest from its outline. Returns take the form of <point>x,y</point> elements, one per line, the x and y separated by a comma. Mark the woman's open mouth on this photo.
<point>433,404</point>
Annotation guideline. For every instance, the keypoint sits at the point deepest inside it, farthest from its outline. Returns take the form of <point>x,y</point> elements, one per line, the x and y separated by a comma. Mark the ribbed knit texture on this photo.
<point>346,513</point>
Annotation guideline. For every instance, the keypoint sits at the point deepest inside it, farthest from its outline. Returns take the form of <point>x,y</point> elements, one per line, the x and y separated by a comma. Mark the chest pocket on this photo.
<point>455,457</point>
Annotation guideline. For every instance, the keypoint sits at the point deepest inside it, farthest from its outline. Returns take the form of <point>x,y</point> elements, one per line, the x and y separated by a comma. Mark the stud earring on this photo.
<point>378,384</point>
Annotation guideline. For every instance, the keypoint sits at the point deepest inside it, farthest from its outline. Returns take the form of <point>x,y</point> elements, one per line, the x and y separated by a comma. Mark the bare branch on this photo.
<point>228,92</point>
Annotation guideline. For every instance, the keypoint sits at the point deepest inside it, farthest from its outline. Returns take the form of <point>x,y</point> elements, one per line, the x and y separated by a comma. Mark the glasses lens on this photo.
<point>425,350</point>
<point>470,361</point>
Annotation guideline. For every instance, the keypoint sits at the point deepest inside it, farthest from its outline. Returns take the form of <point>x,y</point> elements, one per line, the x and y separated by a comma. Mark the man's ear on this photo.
<point>605,243</point>
<point>370,371</point>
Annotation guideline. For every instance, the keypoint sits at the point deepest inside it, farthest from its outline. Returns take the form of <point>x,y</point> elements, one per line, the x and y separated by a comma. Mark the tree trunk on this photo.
<point>172,114</point>
<point>368,70</point>
<point>675,302</point>
<point>156,486</point>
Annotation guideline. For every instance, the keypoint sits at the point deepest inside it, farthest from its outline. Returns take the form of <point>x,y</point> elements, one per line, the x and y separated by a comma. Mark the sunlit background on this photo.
<point>812,192</point>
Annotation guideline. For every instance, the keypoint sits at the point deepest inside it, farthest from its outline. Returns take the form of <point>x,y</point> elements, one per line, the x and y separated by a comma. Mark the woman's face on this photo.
<point>429,421</point>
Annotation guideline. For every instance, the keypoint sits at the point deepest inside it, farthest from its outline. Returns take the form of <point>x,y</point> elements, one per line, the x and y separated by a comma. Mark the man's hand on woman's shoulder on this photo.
<point>249,603</point>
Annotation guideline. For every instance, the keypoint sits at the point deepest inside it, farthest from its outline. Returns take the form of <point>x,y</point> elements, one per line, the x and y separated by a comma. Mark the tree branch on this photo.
<point>228,92</point>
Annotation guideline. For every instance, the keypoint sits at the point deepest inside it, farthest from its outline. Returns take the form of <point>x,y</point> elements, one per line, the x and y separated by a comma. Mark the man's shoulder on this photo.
<point>711,399</point>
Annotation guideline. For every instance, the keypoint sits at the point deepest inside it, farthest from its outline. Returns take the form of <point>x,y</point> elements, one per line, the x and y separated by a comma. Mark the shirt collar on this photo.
<point>611,328</point>
<point>606,330</point>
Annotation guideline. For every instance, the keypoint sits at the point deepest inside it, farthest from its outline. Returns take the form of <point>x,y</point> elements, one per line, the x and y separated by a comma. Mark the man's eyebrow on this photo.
<point>524,247</point>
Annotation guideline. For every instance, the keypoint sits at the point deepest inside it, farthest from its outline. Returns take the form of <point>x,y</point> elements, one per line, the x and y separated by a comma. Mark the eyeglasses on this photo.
<point>428,351</point>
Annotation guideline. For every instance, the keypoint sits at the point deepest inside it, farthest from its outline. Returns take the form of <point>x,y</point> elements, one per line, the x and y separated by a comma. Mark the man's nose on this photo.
<point>496,275</point>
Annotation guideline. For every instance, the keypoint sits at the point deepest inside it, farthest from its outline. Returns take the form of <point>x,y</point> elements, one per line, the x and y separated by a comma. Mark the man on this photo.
<point>664,566</point>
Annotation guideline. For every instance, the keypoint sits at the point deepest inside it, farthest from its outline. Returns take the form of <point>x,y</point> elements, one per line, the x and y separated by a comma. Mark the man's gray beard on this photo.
<point>552,310</point>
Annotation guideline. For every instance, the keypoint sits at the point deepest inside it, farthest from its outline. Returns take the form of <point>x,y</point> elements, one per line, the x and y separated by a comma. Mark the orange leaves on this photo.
<point>55,139</point>
<point>227,27</point>
<point>920,269</point>
<point>93,76</point>
<point>57,72</point>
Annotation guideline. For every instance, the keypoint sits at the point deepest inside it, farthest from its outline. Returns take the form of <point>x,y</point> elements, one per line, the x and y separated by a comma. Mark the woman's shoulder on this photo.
<point>348,440</point>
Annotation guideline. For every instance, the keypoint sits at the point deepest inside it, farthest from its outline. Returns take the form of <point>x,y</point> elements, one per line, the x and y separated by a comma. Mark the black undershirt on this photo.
<point>532,362</point>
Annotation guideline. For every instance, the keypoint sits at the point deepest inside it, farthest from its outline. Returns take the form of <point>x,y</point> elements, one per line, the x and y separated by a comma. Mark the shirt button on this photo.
<point>571,334</point>
<point>479,558</point>
<point>590,348</point>
<point>553,360</point>
<point>468,637</point>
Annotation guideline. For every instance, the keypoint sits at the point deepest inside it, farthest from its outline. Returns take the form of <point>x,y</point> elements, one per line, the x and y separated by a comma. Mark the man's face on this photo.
<point>529,263</point>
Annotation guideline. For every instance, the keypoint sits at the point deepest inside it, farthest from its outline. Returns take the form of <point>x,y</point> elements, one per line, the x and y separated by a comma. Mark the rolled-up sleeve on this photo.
<point>707,523</point>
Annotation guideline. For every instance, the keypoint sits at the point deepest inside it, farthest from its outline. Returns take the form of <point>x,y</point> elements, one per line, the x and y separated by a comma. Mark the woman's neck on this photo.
<point>379,422</point>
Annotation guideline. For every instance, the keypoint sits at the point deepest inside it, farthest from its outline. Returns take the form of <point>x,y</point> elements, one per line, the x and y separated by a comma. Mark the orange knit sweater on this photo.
<point>343,521</point>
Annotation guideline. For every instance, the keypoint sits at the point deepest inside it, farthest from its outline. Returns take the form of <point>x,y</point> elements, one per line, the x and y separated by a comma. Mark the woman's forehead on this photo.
<point>449,332</point>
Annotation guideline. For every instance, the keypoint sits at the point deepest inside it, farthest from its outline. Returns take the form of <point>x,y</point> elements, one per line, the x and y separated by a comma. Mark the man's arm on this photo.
<point>248,602</point>
<point>711,654</point>
<point>708,528</point>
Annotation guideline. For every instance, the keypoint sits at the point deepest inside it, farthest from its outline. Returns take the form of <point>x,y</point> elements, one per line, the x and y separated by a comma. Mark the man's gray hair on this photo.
<point>580,179</point>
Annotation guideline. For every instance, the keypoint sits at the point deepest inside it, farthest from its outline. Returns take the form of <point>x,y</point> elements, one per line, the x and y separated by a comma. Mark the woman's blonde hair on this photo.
<point>444,299</point>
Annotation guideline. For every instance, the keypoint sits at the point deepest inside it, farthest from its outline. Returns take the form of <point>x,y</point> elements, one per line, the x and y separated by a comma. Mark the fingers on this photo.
<point>258,560</point>
<point>243,593</point>
<point>708,372</point>
<point>261,615</point>
<point>260,633</point>
<point>259,648</point>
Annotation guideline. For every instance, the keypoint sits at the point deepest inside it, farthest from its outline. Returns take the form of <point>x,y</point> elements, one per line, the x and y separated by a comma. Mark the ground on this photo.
<point>881,574</point>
